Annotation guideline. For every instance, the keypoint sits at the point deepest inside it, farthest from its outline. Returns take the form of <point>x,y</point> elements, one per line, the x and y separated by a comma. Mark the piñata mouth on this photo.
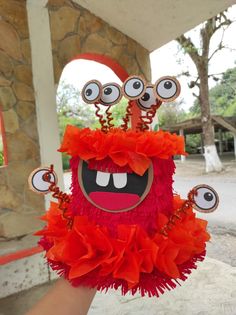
<point>114,192</point>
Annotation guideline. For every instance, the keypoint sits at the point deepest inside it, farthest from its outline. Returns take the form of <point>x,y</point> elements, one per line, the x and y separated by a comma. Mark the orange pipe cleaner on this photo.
<point>109,118</point>
<point>124,126</point>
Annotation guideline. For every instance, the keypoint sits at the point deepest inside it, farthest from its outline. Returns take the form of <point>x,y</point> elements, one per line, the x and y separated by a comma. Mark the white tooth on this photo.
<point>102,178</point>
<point>120,180</point>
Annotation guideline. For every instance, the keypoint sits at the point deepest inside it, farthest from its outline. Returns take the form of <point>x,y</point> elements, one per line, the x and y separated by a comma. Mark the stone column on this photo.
<point>43,80</point>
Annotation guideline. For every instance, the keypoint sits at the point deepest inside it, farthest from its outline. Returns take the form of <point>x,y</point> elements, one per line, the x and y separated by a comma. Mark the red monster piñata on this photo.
<point>122,226</point>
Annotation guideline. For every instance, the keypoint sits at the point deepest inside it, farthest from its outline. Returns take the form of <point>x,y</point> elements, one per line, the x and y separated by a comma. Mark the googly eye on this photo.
<point>148,99</point>
<point>167,89</point>
<point>38,182</point>
<point>134,87</point>
<point>91,91</point>
<point>205,199</point>
<point>111,94</point>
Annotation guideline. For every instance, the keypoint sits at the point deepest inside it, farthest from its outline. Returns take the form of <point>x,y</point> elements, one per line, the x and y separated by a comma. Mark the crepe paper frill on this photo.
<point>88,255</point>
<point>132,148</point>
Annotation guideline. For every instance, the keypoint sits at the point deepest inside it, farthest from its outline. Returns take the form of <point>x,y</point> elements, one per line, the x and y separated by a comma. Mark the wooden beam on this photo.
<point>193,125</point>
<point>221,121</point>
<point>186,125</point>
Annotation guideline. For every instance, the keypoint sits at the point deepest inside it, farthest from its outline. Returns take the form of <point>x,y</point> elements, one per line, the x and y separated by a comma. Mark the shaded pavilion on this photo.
<point>221,125</point>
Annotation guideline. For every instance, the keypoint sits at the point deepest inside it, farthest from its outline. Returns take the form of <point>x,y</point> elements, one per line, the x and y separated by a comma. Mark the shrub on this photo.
<point>65,161</point>
<point>1,158</point>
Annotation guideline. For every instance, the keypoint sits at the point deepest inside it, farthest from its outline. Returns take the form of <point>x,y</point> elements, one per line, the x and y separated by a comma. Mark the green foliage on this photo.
<point>231,110</point>
<point>118,112</point>
<point>65,161</point>
<point>222,96</point>
<point>192,143</point>
<point>223,102</point>
<point>1,158</point>
<point>71,108</point>
<point>64,121</point>
<point>72,111</point>
<point>1,152</point>
<point>195,110</point>
<point>170,114</point>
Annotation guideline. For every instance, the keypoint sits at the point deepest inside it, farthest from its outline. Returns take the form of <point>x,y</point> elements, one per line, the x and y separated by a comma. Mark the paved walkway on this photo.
<point>210,290</point>
<point>191,173</point>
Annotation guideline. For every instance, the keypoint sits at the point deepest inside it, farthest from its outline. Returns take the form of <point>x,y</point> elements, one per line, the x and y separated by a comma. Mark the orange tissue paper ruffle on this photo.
<point>89,247</point>
<point>131,148</point>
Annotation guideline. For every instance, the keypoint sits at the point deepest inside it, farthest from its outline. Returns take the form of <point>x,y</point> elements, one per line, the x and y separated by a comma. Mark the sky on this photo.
<point>164,61</point>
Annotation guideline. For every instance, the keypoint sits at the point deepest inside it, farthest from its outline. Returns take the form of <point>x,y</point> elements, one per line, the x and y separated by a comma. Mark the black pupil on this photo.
<point>168,85</point>
<point>108,91</point>
<point>88,92</point>
<point>145,97</point>
<point>208,196</point>
<point>136,85</point>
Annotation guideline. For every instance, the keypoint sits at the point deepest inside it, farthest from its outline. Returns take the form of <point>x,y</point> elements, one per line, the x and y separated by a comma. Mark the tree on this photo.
<point>169,115</point>
<point>118,112</point>
<point>222,96</point>
<point>71,109</point>
<point>201,57</point>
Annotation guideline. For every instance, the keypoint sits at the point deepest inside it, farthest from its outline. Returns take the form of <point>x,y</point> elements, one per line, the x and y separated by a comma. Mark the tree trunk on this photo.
<point>201,58</point>
<point>212,159</point>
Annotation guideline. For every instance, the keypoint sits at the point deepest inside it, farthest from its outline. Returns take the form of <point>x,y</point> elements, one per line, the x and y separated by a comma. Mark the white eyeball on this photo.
<point>111,94</point>
<point>38,182</point>
<point>167,89</point>
<point>134,87</point>
<point>206,198</point>
<point>91,92</point>
<point>148,99</point>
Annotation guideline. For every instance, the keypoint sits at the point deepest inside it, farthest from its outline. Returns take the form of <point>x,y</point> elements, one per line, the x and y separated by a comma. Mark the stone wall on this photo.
<point>74,30</point>
<point>18,206</point>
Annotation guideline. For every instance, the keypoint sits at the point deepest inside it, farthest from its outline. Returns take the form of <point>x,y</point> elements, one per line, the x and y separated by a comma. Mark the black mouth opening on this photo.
<point>113,192</point>
<point>135,184</point>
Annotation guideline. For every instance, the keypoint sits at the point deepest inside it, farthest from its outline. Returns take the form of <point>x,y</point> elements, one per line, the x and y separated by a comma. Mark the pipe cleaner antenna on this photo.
<point>91,94</point>
<point>111,95</point>
<point>146,120</point>
<point>63,198</point>
<point>109,118</point>
<point>43,181</point>
<point>148,103</point>
<point>100,117</point>
<point>133,88</point>
<point>128,114</point>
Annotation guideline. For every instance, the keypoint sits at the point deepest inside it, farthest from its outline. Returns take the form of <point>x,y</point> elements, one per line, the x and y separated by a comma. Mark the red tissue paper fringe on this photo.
<point>87,254</point>
<point>125,148</point>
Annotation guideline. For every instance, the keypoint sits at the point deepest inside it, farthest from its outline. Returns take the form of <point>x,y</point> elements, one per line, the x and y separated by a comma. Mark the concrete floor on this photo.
<point>191,173</point>
<point>18,304</point>
<point>209,290</point>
